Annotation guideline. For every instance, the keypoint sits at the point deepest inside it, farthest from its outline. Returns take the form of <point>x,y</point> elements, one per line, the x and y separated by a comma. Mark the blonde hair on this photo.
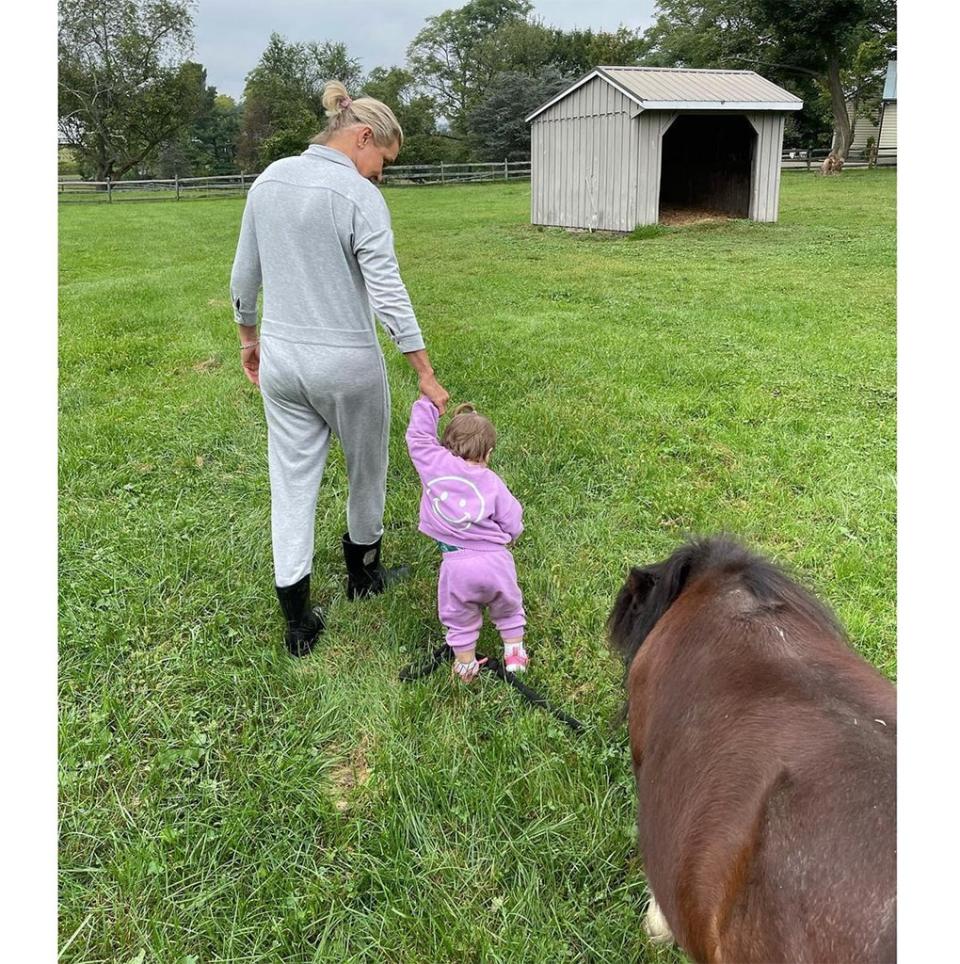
<point>344,112</point>
<point>469,434</point>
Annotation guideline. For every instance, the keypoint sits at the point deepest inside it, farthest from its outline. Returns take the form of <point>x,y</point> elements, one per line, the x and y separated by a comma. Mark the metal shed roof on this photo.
<point>673,88</point>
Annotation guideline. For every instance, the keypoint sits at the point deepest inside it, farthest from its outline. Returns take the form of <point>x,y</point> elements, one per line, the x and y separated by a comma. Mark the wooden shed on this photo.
<point>625,145</point>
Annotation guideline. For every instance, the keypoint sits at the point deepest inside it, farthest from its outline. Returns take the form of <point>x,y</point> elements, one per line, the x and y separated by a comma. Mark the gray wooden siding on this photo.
<point>765,178</point>
<point>653,125</point>
<point>585,153</point>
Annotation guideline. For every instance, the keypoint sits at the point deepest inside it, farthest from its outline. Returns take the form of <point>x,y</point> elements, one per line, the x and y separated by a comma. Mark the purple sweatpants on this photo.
<point>471,579</point>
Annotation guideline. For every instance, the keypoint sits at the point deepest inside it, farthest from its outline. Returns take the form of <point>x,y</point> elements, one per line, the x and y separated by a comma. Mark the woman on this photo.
<point>316,235</point>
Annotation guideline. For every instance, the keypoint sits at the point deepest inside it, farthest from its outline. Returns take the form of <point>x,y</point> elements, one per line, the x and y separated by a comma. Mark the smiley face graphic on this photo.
<point>456,501</point>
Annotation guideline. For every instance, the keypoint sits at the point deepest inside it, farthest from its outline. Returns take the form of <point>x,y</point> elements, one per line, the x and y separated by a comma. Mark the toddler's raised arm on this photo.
<point>422,442</point>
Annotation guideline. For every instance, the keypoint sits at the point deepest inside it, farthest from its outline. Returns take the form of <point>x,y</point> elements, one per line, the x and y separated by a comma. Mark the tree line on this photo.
<point>133,104</point>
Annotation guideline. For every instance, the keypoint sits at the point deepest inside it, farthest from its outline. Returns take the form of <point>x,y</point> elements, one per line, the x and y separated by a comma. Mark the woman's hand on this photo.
<point>250,360</point>
<point>437,394</point>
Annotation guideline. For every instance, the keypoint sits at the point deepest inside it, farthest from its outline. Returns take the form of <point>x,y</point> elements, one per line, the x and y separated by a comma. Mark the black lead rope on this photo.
<point>444,654</point>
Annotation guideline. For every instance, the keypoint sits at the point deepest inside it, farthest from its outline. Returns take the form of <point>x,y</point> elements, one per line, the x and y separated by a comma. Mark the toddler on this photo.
<point>473,516</point>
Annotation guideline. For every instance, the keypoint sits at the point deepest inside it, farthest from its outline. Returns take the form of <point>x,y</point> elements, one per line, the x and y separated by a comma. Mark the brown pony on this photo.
<point>764,752</point>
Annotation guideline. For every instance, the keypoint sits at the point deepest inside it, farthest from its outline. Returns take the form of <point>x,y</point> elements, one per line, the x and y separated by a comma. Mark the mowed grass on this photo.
<point>221,802</point>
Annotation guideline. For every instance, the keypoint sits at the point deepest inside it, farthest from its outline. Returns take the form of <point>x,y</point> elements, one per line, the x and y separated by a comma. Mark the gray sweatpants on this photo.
<point>309,391</point>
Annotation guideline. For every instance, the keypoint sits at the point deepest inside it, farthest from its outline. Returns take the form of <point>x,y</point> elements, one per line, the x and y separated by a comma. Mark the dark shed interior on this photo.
<point>706,165</point>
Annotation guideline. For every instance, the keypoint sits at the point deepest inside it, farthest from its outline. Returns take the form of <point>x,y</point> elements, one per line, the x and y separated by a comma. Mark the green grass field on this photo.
<point>221,802</point>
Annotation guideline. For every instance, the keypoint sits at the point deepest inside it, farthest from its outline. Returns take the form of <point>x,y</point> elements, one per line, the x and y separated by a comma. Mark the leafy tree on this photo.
<point>451,59</point>
<point>283,97</point>
<point>124,85</point>
<point>477,60</point>
<point>517,46</point>
<point>812,126</point>
<point>416,113</point>
<point>704,33</point>
<point>208,146</point>
<point>823,39</point>
<point>826,51</point>
<point>497,123</point>
<point>216,134</point>
<point>721,33</point>
<point>577,52</point>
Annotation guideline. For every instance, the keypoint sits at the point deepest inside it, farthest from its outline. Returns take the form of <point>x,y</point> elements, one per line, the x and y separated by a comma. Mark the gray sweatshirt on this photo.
<point>317,235</point>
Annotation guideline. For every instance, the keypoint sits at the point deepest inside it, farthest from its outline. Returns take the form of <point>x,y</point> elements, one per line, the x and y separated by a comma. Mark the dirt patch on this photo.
<point>351,773</point>
<point>218,303</point>
<point>208,365</point>
<point>584,689</point>
<point>682,216</point>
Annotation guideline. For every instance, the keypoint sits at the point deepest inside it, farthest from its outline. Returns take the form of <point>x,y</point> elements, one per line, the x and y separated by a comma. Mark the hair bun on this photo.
<point>463,408</point>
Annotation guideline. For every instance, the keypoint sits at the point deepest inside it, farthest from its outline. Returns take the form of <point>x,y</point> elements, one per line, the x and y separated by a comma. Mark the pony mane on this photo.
<point>651,590</point>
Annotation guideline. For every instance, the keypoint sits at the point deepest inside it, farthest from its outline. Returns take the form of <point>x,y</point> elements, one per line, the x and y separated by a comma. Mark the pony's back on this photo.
<point>765,760</point>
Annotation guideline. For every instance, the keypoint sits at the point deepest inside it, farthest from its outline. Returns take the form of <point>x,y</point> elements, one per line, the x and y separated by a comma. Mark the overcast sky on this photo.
<point>232,34</point>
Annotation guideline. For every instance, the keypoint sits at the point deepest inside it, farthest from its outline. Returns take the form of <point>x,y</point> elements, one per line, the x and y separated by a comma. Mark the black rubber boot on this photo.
<point>304,622</point>
<point>365,575</point>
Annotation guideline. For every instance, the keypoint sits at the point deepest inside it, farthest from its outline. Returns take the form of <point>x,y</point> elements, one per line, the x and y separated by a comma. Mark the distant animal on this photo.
<point>832,164</point>
<point>764,754</point>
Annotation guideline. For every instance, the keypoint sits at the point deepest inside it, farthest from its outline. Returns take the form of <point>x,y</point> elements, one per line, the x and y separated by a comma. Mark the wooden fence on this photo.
<point>233,185</point>
<point>797,158</point>
<point>397,175</point>
<point>157,189</point>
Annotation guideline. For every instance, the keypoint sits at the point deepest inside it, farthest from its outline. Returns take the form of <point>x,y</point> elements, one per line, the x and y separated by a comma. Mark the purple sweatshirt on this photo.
<point>463,504</point>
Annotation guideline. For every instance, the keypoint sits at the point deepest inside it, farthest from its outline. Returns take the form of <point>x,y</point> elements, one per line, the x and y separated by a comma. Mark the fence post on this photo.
<point>506,170</point>
<point>109,189</point>
<point>241,183</point>
<point>441,173</point>
<point>176,181</point>
<point>809,152</point>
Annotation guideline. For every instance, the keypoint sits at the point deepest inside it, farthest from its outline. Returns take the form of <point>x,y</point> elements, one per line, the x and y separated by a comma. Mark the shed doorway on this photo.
<point>706,165</point>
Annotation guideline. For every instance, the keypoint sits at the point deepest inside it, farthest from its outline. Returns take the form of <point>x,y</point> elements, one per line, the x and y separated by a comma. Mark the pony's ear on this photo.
<point>640,582</point>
